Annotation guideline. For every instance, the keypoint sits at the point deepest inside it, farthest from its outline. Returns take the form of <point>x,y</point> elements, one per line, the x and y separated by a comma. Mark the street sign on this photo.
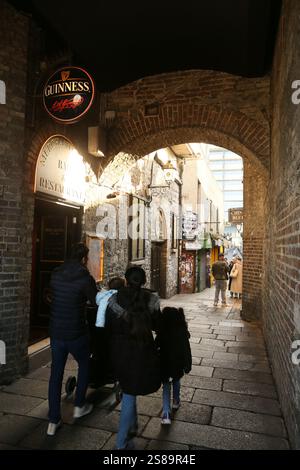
<point>235,216</point>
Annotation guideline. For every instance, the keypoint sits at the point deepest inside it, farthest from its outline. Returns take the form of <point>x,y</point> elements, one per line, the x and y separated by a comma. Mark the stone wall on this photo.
<point>123,170</point>
<point>13,71</point>
<point>281,311</point>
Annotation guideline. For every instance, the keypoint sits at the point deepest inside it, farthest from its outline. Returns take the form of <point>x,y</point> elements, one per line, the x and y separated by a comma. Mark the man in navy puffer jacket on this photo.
<point>71,286</point>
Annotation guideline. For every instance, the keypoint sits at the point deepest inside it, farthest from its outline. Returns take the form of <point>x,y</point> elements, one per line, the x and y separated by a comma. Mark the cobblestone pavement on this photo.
<point>229,400</point>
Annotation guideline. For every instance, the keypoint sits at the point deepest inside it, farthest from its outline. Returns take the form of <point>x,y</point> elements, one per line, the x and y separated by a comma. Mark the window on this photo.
<point>233,165</point>
<point>233,195</point>
<point>217,165</point>
<point>137,229</point>
<point>233,175</point>
<point>216,155</point>
<point>233,185</point>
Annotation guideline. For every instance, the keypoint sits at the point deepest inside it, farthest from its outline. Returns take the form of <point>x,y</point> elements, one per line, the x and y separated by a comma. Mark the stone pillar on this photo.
<point>253,241</point>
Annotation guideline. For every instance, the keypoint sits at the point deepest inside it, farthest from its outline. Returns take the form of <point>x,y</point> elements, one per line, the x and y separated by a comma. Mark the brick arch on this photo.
<point>202,105</point>
<point>149,143</point>
<point>238,134</point>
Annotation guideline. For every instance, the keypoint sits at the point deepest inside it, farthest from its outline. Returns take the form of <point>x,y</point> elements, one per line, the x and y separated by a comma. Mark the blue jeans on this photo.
<point>79,348</point>
<point>128,420</point>
<point>167,395</point>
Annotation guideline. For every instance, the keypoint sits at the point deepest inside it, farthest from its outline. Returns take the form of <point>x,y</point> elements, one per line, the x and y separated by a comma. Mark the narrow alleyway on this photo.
<point>228,400</point>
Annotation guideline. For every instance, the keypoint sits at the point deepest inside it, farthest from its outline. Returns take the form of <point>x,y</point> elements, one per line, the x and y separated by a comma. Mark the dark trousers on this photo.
<point>79,348</point>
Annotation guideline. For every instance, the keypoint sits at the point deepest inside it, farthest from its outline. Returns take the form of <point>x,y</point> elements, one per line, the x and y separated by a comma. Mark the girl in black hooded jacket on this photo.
<point>131,316</point>
<point>175,356</point>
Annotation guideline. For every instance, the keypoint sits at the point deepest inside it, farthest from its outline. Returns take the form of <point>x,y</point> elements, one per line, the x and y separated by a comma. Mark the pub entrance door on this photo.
<point>57,227</point>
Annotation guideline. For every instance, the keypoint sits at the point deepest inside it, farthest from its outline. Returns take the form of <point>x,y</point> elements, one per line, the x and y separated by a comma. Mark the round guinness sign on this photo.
<point>68,94</point>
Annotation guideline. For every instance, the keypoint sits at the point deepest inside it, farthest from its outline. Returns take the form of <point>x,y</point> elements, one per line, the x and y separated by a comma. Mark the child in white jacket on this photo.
<point>103,297</point>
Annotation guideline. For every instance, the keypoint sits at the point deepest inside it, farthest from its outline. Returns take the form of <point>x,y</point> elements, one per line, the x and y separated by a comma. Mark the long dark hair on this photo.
<point>137,312</point>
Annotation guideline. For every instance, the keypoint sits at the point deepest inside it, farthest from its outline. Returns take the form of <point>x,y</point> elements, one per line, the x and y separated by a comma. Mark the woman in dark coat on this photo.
<point>132,314</point>
<point>175,356</point>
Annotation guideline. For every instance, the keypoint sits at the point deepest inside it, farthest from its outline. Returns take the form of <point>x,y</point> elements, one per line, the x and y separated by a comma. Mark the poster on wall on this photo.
<point>187,273</point>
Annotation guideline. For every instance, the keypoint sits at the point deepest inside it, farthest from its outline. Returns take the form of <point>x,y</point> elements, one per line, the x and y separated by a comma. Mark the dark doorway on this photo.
<point>158,281</point>
<point>56,227</point>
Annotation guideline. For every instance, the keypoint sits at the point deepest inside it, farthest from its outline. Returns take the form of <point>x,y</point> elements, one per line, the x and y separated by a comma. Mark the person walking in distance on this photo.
<point>220,273</point>
<point>71,286</point>
<point>236,276</point>
<point>175,356</point>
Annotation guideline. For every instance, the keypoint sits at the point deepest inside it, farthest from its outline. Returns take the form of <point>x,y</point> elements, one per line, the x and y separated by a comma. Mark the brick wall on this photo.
<point>281,290</point>
<point>255,185</point>
<point>13,69</point>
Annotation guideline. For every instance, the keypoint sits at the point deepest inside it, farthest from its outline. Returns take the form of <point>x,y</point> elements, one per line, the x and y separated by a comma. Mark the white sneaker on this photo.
<point>80,411</point>
<point>215,304</point>
<point>166,419</point>
<point>52,428</point>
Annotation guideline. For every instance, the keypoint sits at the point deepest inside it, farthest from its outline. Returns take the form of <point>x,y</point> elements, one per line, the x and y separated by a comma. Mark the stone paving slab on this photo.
<point>215,343</point>
<point>246,376</point>
<point>196,361</point>
<point>9,447</point>
<point>108,420</point>
<point>251,338</point>
<point>160,445</point>
<point>139,443</point>
<point>17,404</point>
<point>195,340</point>
<point>149,406</point>
<point>193,413</point>
<point>250,388</point>
<point>14,428</point>
<point>202,371</point>
<point>226,331</point>
<point>227,356</point>
<point>30,388</point>
<point>253,358</point>
<point>249,351</point>
<point>68,437</point>
<point>245,344</point>
<point>247,421</point>
<point>43,374</point>
<point>206,383</point>
<point>239,365</point>
<point>211,437</point>
<point>237,401</point>
<point>200,353</point>
<point>225,337</point>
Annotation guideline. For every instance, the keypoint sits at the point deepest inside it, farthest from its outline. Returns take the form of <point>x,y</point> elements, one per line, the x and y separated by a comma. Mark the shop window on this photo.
<point>137,229</point>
